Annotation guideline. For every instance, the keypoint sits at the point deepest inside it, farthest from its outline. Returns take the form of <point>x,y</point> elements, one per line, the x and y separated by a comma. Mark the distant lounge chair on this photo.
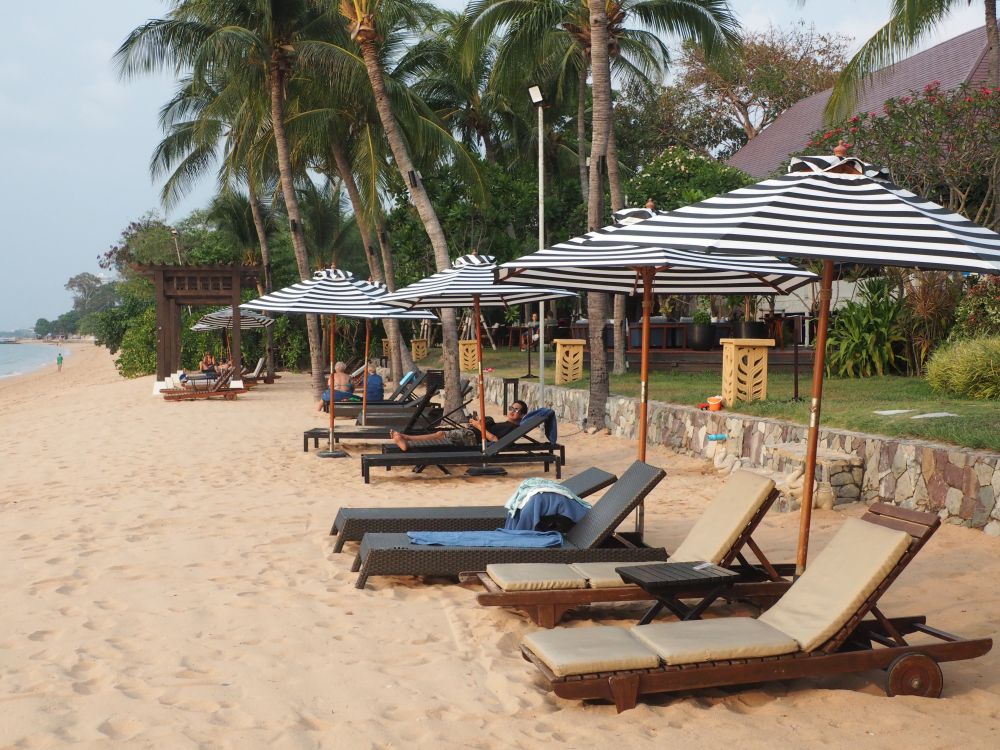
<point>351,524</point>
<point>509,449</point>
<point>593,538</point>
<point>401,398</point>
<point>218,388</point>
<point>720,536</point>
<point>818,628</point>
<point>252,377</point>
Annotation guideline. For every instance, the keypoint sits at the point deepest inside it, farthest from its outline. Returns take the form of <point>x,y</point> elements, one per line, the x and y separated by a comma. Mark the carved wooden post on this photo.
<point>569,360</point>
<point>744,369</point>
<point>468,361</point>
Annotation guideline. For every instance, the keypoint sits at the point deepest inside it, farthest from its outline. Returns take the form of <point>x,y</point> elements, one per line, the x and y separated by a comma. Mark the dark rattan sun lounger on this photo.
<point>592,539</point>
<point>351,524</point>
<point>506,450</point>
<point>818,628</point>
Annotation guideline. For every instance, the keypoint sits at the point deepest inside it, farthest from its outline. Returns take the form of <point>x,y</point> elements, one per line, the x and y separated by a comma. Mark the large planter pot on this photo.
<point>701,336</point>
<point>752,329</point>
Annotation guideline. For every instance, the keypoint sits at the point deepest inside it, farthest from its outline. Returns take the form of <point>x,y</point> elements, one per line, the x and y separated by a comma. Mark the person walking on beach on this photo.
<point>59,361</point>
<point>467,437</point>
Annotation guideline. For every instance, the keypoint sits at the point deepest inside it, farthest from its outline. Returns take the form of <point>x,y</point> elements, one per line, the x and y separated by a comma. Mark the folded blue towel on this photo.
<point>498,538</point>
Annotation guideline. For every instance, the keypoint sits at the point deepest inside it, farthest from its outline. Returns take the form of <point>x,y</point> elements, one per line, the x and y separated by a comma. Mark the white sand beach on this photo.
<point>169,582</point>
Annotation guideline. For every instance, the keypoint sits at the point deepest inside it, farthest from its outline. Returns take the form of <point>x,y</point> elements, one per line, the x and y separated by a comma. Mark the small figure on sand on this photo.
<point>59,361</point>
<point>468,437</point>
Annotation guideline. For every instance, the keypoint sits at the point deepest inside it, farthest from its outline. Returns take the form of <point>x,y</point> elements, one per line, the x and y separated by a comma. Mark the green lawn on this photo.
<point>847,403</point>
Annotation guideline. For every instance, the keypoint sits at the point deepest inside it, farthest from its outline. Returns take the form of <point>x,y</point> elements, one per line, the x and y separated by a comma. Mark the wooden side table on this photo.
<point>569,360</point>
<point>467,355</point>
<point>666,582</point>
<point>744,369</point>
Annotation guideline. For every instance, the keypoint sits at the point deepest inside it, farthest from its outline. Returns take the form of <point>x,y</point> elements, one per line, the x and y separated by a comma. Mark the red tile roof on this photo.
<point>962,59</point>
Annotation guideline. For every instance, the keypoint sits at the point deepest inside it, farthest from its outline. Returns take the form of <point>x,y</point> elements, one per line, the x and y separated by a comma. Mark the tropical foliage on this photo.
<point>978,313</point>
<point>864,338</point>
<point>679,177</point>
<point>969,368</point>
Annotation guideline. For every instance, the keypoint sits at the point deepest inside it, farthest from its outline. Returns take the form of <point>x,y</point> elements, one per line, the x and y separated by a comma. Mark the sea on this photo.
<point>21,358</point>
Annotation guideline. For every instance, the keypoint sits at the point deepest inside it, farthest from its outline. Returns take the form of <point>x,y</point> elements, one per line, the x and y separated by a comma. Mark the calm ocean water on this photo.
<point>17,359</point>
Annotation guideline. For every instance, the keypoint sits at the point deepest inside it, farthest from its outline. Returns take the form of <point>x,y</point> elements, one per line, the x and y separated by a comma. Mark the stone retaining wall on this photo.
<point>960,484</point>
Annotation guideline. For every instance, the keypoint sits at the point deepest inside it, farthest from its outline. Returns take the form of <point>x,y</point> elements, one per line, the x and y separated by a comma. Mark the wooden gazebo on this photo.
<point>215,285</point>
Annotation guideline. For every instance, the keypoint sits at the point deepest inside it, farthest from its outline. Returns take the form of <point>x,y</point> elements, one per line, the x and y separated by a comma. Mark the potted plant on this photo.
<point>701,335</point>
<point>748,327</point>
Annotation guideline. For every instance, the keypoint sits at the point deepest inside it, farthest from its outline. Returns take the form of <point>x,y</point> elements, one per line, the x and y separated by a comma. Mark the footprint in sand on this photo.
<point>43,635</point>
<point>121,728</point>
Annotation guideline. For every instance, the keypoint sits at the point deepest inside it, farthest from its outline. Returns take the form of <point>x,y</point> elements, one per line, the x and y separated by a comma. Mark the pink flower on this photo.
<point>854,130</point>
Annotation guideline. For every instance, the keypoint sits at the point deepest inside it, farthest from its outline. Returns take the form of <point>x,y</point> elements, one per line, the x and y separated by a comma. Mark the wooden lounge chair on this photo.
<point>722,534</point>
<point>351,524</point>
<point>509,449</point>
<point>218,388</point>
<point>252,377</point>
<point>819,627</point>
<point>593,538</point>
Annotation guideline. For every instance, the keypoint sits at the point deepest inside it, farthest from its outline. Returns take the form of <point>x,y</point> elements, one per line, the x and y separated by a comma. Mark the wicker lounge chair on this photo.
<point>593,538</point>
<point>509,449</point>
<point>351,524</point>
<point>401,398</point>
<point>819,627</point>
<point>423,415</point>
<point>722,534</point>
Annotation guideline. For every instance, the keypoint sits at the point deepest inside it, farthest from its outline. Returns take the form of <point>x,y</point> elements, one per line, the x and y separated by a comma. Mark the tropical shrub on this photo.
<point>864,338</point>
<point>137,355</point>
<point>978,313</point>
<point>929,302</point>
<point>679,177</point>
<point>968,368</point>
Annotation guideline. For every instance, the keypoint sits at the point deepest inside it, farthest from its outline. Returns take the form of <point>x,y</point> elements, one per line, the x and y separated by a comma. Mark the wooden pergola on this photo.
<point>176,286</point>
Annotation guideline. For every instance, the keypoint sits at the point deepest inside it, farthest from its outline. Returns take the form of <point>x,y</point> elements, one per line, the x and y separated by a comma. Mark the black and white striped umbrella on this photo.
<point>471,281</point>
<point>224,319</point>
<point>334,292</point>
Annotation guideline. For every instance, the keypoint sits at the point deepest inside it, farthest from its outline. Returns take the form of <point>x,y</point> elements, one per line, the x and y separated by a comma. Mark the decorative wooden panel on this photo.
<point>467,356</point>
<point>744,369</point>
<point>418,347</point>
<point>386,348</point>
<point>569,360</point>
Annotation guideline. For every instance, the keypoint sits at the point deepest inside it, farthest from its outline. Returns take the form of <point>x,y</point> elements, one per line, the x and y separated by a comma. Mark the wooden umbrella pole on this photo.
<point>812,440</point>
<point>479,359</point>
<point>647,305</point>
<point>333,338</point>
<point>364,377</point>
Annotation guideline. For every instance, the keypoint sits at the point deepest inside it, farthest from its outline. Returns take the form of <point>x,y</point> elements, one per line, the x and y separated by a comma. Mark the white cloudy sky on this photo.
<point>77,141</point>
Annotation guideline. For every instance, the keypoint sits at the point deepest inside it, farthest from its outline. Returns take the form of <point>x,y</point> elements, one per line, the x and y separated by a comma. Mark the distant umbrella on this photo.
<point>224,319</point>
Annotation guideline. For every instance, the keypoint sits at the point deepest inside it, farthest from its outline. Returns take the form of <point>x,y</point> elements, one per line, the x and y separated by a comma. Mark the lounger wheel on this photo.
<point>914,674</point>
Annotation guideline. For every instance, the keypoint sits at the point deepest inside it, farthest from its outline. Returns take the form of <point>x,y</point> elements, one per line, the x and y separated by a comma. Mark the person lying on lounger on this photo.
<point>470,436</point>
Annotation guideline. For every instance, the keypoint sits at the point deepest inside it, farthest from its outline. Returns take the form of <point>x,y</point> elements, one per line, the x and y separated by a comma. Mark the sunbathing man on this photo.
<point>468,437</point>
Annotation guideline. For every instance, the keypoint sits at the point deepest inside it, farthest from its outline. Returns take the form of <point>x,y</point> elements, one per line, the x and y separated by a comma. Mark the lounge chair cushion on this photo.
<point>725,518</point>
<point>569,651</point>
<point>602,575</point>
<point>694,641</point>
<point>837,581</point>
<point>535,576</point>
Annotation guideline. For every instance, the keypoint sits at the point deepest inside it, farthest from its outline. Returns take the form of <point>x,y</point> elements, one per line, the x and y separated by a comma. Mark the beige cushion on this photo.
<point>568,651</point>
<point>601,575</point>
<point>708,640</point>
<point>842,576</point>
<point>535,576</point>
<point>725,517</point>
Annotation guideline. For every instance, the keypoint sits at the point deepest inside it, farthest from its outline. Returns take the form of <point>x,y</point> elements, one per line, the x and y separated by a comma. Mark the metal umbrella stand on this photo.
<point>471,281</point>
<point>837,209</point>
<point>334,292</point>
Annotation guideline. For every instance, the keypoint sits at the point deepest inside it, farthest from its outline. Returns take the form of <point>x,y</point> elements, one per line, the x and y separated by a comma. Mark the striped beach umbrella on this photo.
<point>471,281</point>
<point>336,292</point>
<point>837,209</point>
<point>221,319</point>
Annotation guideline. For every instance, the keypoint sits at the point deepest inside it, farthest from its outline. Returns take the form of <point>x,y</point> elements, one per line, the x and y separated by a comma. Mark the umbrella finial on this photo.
<point>840,150</point>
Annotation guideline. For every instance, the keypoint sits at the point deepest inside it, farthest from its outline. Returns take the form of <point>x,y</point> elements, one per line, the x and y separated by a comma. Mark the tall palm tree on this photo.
<point>909,22</point>
<point>368,20</point>
<point>252,38</point>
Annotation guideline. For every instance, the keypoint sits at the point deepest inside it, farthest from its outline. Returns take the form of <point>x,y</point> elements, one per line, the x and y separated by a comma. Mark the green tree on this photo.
<point>910,21</point>
<point>679,177</point>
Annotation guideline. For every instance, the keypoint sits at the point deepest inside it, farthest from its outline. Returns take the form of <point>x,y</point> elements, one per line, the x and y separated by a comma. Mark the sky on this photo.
<point>77,140</point>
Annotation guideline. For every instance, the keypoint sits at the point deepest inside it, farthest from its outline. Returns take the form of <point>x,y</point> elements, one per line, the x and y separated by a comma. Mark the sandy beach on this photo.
<point>169,582</point>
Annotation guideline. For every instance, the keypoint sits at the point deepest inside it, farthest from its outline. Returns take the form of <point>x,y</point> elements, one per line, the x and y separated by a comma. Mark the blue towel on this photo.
<point>545,504</point>
<point>549,426</point>
<point>498,538</point>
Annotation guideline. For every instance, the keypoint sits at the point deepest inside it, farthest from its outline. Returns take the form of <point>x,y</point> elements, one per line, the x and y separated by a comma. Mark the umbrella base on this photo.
<point>529,376</point>
<point>332,454</point>
<point>486,471</point>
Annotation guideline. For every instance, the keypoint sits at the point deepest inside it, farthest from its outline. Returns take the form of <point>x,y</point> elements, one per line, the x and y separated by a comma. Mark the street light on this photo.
<point>177,245</point>
<point>539,101</point>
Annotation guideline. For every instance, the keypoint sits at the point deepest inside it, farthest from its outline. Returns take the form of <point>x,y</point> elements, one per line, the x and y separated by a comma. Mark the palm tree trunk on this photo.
<point>596,302</point>
<point>993,37</point>
<point>617,203</point>
<point>425,209</point>
<point>581,132</point>
<point>265,258</point>
<point>399,349</point>
<point>294,217</point>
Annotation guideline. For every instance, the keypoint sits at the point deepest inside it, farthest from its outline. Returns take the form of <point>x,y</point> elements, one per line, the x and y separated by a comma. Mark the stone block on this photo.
<point>953,501</point>
<point>984,472</point>
<point>992,528</point>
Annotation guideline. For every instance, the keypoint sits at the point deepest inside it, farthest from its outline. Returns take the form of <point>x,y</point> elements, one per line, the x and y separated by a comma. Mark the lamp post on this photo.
<point>539,101</point>
<point>177,245</point>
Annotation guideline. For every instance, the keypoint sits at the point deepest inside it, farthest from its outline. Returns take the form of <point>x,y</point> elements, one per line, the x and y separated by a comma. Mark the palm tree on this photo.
<point>252,40</point>
<point>368,20</point>
<point>909,22</point>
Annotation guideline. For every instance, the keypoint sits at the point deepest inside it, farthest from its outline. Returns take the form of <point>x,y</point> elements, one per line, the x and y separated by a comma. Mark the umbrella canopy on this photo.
<point>334,292</point>
<point>835,208</point>
<point>471,281</point>
<point>224,319</point>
